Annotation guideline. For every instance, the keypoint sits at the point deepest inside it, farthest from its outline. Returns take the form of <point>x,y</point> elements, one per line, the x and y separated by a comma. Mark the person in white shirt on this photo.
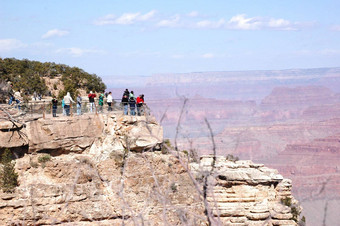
<point>109,101</point>
<point>68,100</point>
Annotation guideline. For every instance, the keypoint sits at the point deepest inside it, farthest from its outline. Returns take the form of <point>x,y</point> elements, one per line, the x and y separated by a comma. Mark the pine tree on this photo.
<point>8,176</point>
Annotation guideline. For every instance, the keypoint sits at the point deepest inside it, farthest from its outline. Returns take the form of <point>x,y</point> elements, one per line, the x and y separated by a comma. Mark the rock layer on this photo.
<point>107,170</point>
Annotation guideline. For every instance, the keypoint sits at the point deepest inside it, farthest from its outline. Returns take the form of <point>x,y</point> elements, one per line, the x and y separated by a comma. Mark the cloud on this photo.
<point>78,52</point>
<point>55,33</point>
<point>125,18</point>
<point>7,45</point>
<point>173,22</point>
<point>211,24</point>
<point>242,22</point>
<point>193,14</point>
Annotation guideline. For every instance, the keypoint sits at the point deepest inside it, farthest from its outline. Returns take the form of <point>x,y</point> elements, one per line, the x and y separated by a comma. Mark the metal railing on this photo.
<point>43,108</point>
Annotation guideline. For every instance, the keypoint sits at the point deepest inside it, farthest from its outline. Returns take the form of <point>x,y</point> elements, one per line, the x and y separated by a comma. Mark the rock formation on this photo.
<point>109,169</point>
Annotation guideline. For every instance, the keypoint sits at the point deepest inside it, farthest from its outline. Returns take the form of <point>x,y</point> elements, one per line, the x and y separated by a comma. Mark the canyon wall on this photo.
<point>122,173</point>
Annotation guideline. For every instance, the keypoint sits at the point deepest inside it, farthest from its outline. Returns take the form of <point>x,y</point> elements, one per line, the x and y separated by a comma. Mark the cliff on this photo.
<point>113,169</point>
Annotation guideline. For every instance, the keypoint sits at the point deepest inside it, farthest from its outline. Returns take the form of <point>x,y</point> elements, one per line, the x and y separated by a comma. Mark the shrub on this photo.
<point>118,158</point>
<point>287,201</point>
<point>8,176</point>
<point>34,164</point>
<point>166,146</point>
<point>44,158</point>
<point>173,187</point>
<point>230,157</point>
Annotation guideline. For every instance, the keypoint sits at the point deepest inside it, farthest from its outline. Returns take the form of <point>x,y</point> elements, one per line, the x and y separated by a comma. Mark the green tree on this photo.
<point>8,176</point>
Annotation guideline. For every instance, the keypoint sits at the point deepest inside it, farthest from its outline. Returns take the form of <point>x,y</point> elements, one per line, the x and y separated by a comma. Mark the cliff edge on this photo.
<point>113,170</point>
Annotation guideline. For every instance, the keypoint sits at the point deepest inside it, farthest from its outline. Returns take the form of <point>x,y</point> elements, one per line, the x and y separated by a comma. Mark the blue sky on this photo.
<point>134,37</point>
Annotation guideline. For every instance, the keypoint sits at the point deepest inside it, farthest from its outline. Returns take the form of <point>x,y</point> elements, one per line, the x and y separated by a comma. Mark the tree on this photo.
<point>8,176</point>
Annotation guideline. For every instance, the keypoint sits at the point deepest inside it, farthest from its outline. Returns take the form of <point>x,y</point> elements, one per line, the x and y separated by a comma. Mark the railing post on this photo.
<point>44,110</point>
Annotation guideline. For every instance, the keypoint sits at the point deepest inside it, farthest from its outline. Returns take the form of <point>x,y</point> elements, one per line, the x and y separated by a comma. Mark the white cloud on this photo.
<point>147,16</point>
<point>211,24</point>
<point>7,45</point>
<point>125,18</point>
<point>208,55</point>
<point>78,52</point>
<point>173,22</point>
<point>240,22</point>
<point>193,14</point>
<point>55,33</point>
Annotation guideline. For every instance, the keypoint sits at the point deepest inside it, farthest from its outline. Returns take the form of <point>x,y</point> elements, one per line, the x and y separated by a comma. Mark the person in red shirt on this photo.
<point>91,100</point>
<point>140,102</point>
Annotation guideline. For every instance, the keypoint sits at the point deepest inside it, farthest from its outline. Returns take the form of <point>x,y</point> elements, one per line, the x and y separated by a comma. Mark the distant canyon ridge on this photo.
<point>289,119</point>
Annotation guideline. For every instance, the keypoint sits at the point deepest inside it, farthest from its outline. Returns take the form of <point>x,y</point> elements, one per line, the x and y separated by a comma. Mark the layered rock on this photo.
<point>78,134</point>
<point>108,170</point>
<point>145,188</point>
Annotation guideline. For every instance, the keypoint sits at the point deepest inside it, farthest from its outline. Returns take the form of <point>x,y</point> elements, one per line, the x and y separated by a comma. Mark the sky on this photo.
<point>142,38</point>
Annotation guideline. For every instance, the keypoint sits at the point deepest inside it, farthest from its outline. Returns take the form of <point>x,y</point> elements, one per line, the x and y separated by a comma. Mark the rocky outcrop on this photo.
<point>108,170</point>
<point>145,188</point>
<point>101,133</point>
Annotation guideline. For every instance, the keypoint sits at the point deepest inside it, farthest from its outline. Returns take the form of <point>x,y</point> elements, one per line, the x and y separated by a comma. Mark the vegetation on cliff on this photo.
<point>28,76</point>
<point>8,176</point>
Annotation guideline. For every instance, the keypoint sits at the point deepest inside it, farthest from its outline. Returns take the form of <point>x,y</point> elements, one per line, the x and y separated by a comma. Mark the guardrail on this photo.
<point>43,108</point>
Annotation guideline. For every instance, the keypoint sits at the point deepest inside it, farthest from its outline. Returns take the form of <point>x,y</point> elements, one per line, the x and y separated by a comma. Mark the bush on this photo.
<point>230,157</point>
<point>8,176</point>
<point>44,158</point>
<point>287,201</point>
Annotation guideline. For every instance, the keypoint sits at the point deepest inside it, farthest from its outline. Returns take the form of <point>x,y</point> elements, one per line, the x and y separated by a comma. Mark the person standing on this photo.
<point>68,100</point>
<point>132,95</point>
<point>17,98</point>
<point>132,103</point>
<point>91,100</point>
<point>125,102</point>
<point>126,92</point>
<point>54,106</point>
<point>101,102</point>
<point>109,101</point>
<point>11,94</point>
<point>140,102</point>
<point>79,100</point>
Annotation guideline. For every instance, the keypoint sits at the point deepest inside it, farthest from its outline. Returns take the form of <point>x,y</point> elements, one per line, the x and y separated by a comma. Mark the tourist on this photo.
<point>17,98</point>
<point>11,94</point>
<point>91,100</point>
<point>79,100</point>
<point>101,102</point>
<point>63,107</point>
<point>125,101</point>
<point>68,100</point>
<point>54,106</point>
<point>126,92</point>
<point>140,102</point>
<point>132,103</point>
<point>109,101</point>
<point>132,95</point>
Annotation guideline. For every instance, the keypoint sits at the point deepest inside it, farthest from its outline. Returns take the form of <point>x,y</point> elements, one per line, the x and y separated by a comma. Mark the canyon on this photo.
<point>288,119</point>
<point>111,169</point>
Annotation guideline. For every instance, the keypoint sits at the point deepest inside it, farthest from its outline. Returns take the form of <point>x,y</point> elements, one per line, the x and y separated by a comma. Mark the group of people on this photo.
<point>129,100</point>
